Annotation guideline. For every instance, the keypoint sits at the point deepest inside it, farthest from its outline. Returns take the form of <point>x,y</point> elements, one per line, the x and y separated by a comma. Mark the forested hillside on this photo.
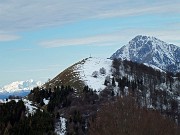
<point>151,88</point>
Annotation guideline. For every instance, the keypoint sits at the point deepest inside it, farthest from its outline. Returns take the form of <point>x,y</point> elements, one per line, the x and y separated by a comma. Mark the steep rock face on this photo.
<point>152,51</point>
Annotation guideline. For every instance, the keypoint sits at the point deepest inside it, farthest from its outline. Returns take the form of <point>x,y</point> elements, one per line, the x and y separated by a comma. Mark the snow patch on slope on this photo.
<point>30,108</point>
<point>60,127</point>
<point>94,64</point>
<point>45,101</point>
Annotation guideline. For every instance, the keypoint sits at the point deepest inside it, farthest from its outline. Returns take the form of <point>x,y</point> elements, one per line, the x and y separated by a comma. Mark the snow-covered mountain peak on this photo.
<point>148,41</point>
<point>150,50</point>
<point>20,85</point>
<point>90,71</point>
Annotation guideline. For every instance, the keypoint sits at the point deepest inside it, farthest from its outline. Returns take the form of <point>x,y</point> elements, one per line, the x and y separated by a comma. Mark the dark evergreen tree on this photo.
<point>113,82</point>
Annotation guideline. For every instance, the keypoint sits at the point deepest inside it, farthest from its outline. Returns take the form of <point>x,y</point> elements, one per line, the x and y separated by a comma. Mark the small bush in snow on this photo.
<point>102,71</point>
<point>95,74</point>
<point>107,80</point>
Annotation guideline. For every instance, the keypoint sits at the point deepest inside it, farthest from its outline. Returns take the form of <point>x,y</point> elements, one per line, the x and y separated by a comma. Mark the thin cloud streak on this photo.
<point>7,37</point>
<point>92,40</point>
<point>173,8</point>
<point>20,49</point>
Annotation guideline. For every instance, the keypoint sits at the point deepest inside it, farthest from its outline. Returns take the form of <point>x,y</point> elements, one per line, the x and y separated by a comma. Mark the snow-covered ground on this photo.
<point>60,126</point>
<point>45,101</point>
<point>30,108</point>
<point>94,64</point>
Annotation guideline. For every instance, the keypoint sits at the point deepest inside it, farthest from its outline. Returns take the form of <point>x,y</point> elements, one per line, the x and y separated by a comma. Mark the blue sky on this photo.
<point>40,38</point>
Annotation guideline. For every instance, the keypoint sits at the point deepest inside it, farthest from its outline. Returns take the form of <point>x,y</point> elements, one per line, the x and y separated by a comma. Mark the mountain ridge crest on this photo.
<point>152,51</point>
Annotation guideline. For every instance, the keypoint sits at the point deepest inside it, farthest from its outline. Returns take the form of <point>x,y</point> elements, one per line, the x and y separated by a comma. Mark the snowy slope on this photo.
<point>80,74</point>
<point>150,50</point>
<point>20,86</point>
<point>90,65</point>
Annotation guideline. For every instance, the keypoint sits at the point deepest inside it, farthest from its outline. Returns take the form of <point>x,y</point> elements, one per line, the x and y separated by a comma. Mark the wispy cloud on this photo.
<point>23,15</point>
<point>7,37</point>
<point>102,40</point>
<point>20,49</point>
<point>141,9</point>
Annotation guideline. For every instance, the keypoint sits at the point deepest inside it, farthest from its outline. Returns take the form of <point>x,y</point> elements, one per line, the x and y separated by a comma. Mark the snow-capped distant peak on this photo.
<point>20,85</point>
<point>150,50</point>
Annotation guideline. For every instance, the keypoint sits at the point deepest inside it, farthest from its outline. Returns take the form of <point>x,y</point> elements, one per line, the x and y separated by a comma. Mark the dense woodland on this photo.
<point>13,120</point>
<point>137,101</point>
<point>150,88</point>
<point>124,117</point>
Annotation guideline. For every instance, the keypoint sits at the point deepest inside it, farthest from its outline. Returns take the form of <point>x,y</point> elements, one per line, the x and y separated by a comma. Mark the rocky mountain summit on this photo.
<point>151,51</point>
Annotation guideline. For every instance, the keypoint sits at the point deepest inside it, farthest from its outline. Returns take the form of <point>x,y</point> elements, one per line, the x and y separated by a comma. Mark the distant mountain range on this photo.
<point>151,51</point>
<point>20,86</point>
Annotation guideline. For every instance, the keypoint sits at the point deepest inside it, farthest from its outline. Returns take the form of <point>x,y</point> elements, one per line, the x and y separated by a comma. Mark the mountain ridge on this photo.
<point>85,72</point>
<point>150,50</point>
<point>18,86</point>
